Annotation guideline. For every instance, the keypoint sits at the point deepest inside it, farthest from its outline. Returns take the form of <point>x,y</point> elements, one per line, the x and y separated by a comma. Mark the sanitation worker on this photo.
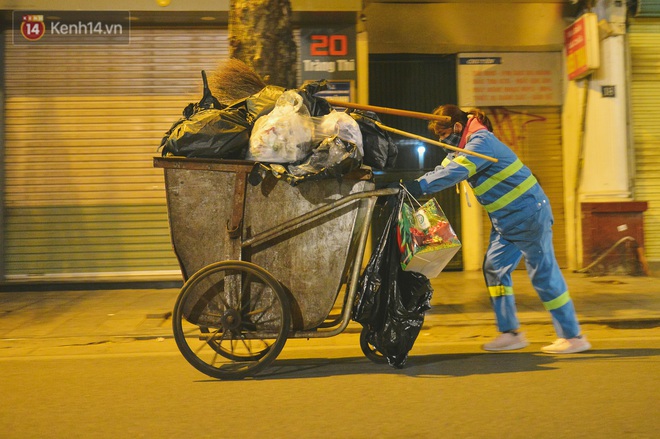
<point>521,219</point>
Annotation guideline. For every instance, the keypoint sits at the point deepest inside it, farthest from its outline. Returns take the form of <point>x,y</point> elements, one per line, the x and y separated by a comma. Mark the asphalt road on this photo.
<point>328,389</point>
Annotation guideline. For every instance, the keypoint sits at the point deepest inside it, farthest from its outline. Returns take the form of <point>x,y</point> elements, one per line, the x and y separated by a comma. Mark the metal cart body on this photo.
<point>310,238</point>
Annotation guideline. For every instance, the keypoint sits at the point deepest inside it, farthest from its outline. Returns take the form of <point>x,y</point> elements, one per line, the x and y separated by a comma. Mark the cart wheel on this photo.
<point>231,319</point>
<point>369,349</point>
<point>213,344</point>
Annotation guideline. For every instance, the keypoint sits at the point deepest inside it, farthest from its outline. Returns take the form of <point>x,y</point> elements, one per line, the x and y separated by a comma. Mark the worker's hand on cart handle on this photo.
<point>413,187</point>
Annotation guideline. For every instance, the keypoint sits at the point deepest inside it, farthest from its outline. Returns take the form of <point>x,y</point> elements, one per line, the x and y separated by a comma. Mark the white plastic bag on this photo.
<point>285,134</point>
<point>340,124</point>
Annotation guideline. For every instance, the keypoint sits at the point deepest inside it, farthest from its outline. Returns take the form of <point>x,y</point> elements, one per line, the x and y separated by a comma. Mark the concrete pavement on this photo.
<point>459,299</point>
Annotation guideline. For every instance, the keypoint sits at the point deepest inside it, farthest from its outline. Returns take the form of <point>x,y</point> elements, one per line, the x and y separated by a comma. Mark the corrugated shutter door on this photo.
<point>644,46</point>
<point>534,134</point>
<point>82,125</point>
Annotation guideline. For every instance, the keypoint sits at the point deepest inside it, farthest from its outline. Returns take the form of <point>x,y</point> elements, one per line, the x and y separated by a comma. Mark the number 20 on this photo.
<point>333,45</point>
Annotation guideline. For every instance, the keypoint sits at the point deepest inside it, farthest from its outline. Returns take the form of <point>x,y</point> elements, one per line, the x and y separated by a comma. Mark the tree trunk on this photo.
<point>261,35</point>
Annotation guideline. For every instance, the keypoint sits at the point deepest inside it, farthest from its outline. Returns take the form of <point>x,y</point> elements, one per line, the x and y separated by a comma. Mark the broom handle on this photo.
<point>386,110</point>
<point>433,142</point>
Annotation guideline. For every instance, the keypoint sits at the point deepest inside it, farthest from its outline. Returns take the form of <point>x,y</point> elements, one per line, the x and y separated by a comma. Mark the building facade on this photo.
<point>81,123</point>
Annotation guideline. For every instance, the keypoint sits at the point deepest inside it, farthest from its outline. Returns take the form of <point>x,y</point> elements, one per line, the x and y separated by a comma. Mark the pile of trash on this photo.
<point>293,132</point>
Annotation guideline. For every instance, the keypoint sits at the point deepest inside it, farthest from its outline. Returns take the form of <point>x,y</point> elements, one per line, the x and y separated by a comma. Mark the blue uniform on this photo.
<point>522,221</point>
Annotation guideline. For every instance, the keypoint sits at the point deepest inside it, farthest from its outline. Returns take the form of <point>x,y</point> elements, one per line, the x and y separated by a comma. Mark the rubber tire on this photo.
<point>259,361</point>
<point>370,350</point>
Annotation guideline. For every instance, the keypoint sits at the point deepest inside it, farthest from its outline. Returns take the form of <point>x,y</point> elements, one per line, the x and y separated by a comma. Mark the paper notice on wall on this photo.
<point>509,79</point>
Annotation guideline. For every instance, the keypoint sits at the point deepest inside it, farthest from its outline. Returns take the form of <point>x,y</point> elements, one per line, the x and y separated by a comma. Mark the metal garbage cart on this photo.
<point>262,262</point>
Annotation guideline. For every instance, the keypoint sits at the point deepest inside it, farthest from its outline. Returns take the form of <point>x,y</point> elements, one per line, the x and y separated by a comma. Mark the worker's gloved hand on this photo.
<point>413,187</point>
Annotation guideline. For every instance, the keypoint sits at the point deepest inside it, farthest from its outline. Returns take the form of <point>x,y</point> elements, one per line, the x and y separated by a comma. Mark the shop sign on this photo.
<point>328,53</point>
<point>509,79</point>
<point>582,46</point>
<point>339,91</point>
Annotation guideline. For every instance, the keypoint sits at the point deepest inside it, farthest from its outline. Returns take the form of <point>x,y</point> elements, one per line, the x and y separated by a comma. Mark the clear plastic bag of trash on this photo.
<point>338,151</point>
<point>334,157</point>
<point>285,134</point>
<point>340,124</point>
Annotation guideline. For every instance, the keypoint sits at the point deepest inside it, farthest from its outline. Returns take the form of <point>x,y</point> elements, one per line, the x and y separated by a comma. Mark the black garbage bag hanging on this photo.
<point>391,303</point>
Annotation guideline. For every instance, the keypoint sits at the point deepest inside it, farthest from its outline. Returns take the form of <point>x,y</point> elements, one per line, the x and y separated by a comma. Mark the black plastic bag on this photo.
<point>262,103</point>
<point>207,130</point>
<point>380,151</point>
<point>317,106</point>
<point>259,104</point>
<point>391,303</point>
<point>210,130</point>
<point>209,133</point>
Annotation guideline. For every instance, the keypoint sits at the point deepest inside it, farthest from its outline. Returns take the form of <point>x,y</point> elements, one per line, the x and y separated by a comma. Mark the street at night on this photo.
<point>327,389</point>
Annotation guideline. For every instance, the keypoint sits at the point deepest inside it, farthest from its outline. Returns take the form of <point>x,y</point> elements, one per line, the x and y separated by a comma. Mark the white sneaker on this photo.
<point>507,341</point>
<point>568,346</point>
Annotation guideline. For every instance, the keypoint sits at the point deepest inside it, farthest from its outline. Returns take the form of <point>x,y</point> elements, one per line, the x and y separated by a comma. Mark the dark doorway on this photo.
<point>417,83</point>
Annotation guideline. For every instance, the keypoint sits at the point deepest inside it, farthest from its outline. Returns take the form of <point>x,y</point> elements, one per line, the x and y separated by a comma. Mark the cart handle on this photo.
<point>286,226</point>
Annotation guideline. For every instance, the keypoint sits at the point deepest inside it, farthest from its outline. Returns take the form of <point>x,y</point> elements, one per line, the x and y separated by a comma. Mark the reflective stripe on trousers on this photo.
<point>531,238</point>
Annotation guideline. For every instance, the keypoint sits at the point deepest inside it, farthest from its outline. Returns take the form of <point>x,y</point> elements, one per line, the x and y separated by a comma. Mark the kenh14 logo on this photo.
<point>33,27</point>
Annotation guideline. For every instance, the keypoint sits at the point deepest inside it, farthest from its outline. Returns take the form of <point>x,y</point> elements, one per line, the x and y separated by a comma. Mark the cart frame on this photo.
<point>330,326</point>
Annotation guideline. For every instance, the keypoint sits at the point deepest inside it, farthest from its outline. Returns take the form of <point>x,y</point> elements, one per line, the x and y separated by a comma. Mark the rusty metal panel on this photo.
<point>199,206</point>
<point>310,260</point>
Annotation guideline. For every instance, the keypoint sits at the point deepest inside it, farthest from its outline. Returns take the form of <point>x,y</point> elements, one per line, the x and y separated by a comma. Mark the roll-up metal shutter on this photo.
<point>647,8</point>
<point>644,47</point>
<point>534,134</point>
<point>82,125</point>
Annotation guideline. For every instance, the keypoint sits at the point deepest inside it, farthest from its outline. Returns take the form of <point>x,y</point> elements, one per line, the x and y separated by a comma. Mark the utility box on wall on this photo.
<point>613,235</point>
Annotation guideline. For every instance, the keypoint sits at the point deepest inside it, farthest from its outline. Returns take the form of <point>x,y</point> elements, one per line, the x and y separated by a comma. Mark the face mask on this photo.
<point>453,139</point>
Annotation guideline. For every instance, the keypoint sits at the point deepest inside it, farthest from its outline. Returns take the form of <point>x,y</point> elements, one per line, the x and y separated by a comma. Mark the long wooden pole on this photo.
<point>436,143</point>
<point>386,110</point>
<point>406,113</point>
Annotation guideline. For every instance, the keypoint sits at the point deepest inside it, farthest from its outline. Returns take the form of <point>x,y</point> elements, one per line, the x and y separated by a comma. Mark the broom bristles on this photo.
<point>234,80</point>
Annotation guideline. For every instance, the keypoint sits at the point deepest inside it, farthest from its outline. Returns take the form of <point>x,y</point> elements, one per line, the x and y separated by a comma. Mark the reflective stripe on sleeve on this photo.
<point>466,163</point>
<point>557,302</point>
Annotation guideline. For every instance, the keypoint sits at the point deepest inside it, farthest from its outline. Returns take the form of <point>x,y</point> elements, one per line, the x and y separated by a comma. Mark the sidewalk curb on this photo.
<point>583,320</point>
<point>353,328</point>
